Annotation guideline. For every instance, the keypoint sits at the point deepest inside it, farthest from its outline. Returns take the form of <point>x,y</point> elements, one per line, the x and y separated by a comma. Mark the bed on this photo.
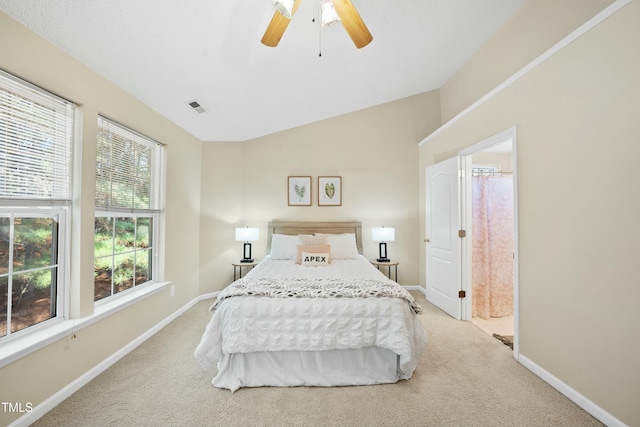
<point>314,312</point>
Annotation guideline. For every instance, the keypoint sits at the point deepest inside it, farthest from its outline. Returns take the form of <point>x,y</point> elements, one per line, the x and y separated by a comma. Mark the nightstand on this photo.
<point>389,264</point>
<point>237,268</point>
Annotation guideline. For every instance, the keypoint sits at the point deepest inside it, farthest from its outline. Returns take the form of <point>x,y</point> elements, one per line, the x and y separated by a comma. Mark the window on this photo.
<point>36,131</point>
<point>127,209</point>
<point>485,170</point>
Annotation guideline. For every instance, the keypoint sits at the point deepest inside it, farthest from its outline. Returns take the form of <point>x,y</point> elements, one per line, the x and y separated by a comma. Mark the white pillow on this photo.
<point>315,259</point>
<point>283,246</point>
<point>343,246</point>
<point>308,239</point>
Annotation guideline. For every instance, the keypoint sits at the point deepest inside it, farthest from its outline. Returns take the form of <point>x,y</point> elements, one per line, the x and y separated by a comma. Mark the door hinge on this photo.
<point>462,233</point>
<point>462,294</point>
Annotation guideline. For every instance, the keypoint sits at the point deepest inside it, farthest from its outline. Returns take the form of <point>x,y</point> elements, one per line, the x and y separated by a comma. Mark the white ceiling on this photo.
<point>169,52</point>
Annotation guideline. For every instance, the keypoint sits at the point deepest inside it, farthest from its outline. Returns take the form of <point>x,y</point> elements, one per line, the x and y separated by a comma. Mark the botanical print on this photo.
<point>329,191</point>
<point>299,190</point>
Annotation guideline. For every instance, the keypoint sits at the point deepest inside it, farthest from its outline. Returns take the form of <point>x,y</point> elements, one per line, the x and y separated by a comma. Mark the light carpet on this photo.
<point>464,378</point>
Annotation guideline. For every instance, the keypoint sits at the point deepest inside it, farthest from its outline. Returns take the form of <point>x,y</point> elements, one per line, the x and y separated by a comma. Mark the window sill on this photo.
<point>58,329</point>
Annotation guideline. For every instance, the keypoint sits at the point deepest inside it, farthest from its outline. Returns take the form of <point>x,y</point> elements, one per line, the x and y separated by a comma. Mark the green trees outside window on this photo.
<point>122,252</point>
<point>28,271</point>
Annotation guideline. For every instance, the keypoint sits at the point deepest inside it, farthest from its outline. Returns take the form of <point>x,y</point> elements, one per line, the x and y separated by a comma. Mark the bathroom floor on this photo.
<point>495,325</point>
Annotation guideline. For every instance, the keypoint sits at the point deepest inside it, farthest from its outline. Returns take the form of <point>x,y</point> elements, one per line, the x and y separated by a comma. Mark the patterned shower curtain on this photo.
<point>492,275</point>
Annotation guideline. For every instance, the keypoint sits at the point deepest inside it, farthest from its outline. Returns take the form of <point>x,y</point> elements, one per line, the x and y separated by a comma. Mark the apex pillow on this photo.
<point>283,246</point>
<point>343,246</point>
<point>312,249</point>
<point>315,259</point>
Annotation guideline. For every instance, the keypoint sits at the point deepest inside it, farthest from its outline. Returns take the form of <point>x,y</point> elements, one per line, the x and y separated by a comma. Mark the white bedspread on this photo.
<point>253,324</point>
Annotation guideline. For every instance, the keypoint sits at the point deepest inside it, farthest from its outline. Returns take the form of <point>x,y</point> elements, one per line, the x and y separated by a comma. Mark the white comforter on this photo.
<point>253,324</point>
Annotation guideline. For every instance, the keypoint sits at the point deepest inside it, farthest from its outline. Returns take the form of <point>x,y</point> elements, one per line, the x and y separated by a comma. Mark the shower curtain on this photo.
<point>492,274</point>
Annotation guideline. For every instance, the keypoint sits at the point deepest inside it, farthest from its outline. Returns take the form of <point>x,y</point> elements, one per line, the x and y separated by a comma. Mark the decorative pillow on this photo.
<point>311,249</point>
<point>315,259</point>
<point>283,246</point>
<point>308,239</point>
<point>343,246</point>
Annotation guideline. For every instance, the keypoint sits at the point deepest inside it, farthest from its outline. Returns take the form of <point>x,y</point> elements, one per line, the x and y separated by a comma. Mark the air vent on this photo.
<point>196,106</point>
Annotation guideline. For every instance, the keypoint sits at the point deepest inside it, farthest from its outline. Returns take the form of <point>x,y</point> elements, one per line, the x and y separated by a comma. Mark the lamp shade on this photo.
<point>285,7</point>
<point>246,234</point>
<point>383,234</point>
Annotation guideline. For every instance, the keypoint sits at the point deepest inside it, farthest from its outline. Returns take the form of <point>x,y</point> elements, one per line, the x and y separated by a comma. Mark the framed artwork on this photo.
<point>329,191</point>
<point>299,188</point>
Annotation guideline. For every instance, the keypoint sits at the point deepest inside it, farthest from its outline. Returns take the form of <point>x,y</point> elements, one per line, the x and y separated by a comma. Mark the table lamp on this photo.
<point>246,235</point>
<point>383,235</point>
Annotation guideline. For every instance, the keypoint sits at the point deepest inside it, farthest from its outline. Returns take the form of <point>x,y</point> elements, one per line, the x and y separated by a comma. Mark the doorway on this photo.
<point>449,229</point>
<point>490,260</point>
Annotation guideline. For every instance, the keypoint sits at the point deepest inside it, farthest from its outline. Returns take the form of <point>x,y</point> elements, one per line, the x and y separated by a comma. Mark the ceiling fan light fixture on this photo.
<point>329,14</point>
<point>285,7</point>
<point>344,9</point>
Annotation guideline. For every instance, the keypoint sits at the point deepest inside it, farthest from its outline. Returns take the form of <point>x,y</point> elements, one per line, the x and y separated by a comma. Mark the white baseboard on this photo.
<point>579,399</point>
<point>44,407</point>
<point>208,296</point>
<point>415,288</point>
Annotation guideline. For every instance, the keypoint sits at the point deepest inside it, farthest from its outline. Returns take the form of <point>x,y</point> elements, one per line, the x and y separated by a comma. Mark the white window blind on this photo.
<point>127,169</point>
<point>36,131</point>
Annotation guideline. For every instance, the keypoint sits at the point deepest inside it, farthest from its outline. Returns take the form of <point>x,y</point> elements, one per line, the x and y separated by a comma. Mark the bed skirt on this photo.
<point>329,368</point>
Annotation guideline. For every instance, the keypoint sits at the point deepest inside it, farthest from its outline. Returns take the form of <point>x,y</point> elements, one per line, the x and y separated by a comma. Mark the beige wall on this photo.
<point>221,211</point>
<point>44,372</point>
<point>536,26</point>
<point>578,145</point>
<point>373,150</point>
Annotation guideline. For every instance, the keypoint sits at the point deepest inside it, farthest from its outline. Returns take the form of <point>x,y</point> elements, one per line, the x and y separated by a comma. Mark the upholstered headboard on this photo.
<point>311,227</point>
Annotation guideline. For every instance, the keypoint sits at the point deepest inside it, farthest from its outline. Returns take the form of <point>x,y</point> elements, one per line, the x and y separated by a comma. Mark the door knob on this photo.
<point>427,240</point>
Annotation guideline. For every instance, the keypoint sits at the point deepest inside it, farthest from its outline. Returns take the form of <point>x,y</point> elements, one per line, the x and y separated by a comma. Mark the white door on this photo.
<point>443,247</point>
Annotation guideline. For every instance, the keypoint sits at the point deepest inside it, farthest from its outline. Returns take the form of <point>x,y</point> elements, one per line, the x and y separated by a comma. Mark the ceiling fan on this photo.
<point>344,9</point>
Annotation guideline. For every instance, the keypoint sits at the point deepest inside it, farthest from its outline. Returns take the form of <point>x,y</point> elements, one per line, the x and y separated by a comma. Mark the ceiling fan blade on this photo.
<point>353,23</point>
<point>277,26</point>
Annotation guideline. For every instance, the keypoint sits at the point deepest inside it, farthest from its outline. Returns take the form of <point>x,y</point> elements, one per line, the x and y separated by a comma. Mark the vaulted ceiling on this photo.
<point>167,53</point>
